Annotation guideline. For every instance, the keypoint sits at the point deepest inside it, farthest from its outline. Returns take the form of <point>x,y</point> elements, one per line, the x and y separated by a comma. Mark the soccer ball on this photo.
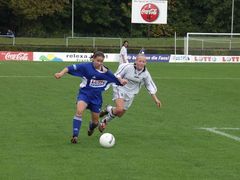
<point>107,140</point>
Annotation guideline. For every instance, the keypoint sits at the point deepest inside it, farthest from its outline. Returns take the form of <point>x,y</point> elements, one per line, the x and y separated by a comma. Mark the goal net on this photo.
<point>212,44</point>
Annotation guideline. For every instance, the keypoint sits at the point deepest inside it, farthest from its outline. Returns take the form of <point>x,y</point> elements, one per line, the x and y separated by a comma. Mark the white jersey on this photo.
<point>135,80</point>
<point>123,54</point>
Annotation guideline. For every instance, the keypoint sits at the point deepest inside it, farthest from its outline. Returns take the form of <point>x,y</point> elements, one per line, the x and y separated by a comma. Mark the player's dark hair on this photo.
<point>98,53</point>
<point>124,42</point>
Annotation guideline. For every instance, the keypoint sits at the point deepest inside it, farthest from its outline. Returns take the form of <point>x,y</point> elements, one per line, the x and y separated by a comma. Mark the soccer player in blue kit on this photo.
<point>95,78</point>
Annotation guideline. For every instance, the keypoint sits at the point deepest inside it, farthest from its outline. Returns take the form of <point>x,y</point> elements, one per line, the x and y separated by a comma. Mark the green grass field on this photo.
<point>36,120</point>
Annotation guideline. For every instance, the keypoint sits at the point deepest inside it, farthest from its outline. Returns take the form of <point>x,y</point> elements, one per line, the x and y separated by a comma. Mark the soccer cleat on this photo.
<point>102,126</point>
<point>90,132</point>
<point>103,112</point>
<point>74,140</point>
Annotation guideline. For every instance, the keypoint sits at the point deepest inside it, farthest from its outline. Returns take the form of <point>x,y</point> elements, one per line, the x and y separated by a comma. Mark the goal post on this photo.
<point>211,43</point>
<point>94,41</point>
<point>6,39</point>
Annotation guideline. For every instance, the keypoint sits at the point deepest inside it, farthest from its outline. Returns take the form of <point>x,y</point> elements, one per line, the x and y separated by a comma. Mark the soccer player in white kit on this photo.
<point>137,75</point>
<point>123,53</point>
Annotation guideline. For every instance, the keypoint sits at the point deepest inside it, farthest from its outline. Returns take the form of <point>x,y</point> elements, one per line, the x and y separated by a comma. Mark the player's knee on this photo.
<point>119,111</point>
<point>120,114</point>
<point>79,113</point>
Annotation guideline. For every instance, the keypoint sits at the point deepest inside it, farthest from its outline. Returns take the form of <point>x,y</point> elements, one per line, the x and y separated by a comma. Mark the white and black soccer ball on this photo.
<point>107,140</point>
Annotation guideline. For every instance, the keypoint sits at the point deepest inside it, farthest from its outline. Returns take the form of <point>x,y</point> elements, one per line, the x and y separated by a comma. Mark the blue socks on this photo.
<point>77,122</point>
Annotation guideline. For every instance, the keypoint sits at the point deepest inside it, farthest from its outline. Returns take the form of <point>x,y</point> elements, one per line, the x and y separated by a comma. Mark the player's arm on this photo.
<point>114,79</point>
<point>120,73</point>
<point>152,89</point>
<point>122,80</point>
<point>58,75</point>
<point>156,100</point>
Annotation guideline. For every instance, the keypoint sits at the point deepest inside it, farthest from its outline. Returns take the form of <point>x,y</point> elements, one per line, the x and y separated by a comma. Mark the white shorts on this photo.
<point>128,99</point>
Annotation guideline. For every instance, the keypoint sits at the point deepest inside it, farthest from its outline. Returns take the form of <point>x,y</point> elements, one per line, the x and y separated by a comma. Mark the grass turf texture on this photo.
<point>36,121</point>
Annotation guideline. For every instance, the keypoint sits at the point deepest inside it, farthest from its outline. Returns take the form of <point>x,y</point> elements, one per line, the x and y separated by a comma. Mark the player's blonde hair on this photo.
<point>140,55</point>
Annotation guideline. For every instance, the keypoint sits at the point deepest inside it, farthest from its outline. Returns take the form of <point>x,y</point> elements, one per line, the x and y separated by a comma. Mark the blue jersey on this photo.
<point>93,83</point>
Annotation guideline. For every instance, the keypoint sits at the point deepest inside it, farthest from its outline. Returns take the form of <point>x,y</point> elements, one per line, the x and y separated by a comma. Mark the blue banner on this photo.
<point>151,57</point>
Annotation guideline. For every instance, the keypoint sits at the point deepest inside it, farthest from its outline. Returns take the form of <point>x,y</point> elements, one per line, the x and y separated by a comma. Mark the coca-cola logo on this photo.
<point>16,56</point>
<point>149,12</point>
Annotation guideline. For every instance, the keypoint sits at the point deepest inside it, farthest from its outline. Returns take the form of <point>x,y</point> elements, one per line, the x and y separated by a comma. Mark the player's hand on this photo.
<point>158,103</point>
<point>123,81</point>
<point>58,75</point>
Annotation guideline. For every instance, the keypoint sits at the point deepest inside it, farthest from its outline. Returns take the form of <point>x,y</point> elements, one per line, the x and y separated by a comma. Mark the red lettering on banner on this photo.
<point>16,56</point>
<point>235,59</point>
<point>203,58</point>
<point>231,58</point>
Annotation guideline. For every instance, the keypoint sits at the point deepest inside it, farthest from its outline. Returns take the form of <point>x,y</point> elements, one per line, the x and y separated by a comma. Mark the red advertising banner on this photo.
<point>16,56</point>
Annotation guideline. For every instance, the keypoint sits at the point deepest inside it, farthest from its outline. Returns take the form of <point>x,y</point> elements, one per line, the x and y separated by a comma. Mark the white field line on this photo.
<point>214,130</point>
<point>197,78</point>
<point>24,76</point>
<point>225,128</point>
<point>166,78</point>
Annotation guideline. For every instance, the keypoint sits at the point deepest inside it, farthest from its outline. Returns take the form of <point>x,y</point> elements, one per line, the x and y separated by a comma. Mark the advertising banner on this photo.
<point>149,11</point>
<point>71,57</point>
<point>216,59</point>
<point>180,59</point>
<point>203,59</point>
<point>16,56</point>
<point>151,57</point>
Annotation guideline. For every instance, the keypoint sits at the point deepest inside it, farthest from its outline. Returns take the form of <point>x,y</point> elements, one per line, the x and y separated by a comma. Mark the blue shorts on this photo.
<point>94,102</point>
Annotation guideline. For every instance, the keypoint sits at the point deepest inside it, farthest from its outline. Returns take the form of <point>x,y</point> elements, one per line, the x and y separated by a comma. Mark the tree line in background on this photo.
<point>52,18</point>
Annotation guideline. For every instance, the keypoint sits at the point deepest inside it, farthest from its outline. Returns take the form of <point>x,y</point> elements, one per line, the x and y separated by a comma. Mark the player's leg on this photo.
<point>122,106</point>
<point>112,112</point>
<point>77,120</point>
<point>119,109</point>
<point>95,109</point>
<point>93,123</point>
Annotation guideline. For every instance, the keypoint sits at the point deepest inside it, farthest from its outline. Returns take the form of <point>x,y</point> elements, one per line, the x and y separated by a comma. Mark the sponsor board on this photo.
<point>230,59</point>
<point>149,11</point>
<point>180,59</point>
<point>16,56</point>
<point>216,59</point>
<point>203,59</point>
<point>151,57</point>
<point>71,57</point>
<point>112,57</point>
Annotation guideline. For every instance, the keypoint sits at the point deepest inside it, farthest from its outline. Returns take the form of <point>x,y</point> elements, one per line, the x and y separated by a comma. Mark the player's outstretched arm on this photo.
<point>119,77</point>
<point>122,81</point>
<point>58,75</point>
<point>156,100</point>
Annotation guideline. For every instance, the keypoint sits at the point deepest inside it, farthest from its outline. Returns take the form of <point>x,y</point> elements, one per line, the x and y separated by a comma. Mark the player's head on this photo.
<point>140,61</point>
<point>98,58</point>
<point>125,43</point>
